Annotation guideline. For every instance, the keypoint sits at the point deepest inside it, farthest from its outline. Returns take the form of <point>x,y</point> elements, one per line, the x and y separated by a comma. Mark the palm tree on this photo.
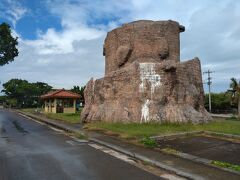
<point>235,90</point>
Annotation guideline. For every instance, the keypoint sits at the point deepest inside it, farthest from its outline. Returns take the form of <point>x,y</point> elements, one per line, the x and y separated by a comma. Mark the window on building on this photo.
<point>68,103</point>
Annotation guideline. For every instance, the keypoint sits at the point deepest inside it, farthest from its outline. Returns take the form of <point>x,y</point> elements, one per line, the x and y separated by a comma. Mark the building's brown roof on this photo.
<point>60,93</point>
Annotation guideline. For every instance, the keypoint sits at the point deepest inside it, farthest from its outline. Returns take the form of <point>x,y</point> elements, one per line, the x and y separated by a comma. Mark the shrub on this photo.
<point>149,142</point>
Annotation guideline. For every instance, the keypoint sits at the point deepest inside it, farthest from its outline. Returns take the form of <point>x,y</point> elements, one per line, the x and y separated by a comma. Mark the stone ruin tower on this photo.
<point>144,79</point>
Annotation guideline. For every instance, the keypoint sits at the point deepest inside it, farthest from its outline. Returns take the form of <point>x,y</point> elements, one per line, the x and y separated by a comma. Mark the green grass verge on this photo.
<point>135,130</point>
<point>32,110</point>
<point>67,117</point>
<point>226,165</point>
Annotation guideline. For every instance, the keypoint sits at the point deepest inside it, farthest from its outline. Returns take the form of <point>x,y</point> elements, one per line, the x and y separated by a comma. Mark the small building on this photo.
<point>60,101</point>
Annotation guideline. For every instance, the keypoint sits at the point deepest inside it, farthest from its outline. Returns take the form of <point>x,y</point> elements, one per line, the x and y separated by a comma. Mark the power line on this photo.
<point>209,83</point>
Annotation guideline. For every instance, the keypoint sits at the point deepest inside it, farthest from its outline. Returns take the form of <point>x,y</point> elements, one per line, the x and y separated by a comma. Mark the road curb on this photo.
<point>204,161</point>
<point>117,148</point>
<point>232,136</point>
<point>192,158</point>
<point>56,125</point>
<point>146,159</point>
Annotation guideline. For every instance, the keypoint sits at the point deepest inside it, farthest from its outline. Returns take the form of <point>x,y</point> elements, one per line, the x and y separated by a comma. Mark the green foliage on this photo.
<point>220,101</point>
<point>235,93</point>
<point>80,91</point>
<point>226,165</point>
<point>8,49</point>
<point>3,99</point>
<point>26,94</point>
<point>12,102</point>
<point>149,142</point>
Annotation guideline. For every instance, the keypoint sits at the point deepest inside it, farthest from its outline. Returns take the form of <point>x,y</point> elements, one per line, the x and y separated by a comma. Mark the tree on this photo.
<point>8,49</point>
<point>25,94</point>
<point>80,91</point>
<point>221,102</point>
<point>235,91</point>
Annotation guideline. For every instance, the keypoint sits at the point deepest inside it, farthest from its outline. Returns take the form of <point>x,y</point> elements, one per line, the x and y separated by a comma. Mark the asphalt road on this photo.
<point>32,151</point>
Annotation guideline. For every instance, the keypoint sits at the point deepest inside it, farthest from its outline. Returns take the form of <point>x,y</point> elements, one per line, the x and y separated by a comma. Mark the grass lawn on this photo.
<point>134,130</point>
<point>31,110</point>
<point>67,117</point>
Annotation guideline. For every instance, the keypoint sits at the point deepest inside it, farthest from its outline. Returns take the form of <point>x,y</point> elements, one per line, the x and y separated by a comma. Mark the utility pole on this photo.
<point>209,83</point>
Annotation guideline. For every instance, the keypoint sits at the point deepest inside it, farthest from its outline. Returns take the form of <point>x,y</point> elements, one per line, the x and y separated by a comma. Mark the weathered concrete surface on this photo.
<point>206,147</point>
<point>144,78</point>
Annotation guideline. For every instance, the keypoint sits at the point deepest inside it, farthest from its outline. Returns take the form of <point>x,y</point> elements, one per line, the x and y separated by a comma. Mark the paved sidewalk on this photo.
<point>206,147</point>
<point>180,166</point>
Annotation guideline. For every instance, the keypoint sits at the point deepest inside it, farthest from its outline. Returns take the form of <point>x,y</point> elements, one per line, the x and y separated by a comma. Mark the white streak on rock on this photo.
<point>147,73</point>
<point>93,85</point>
<point>145,111</point>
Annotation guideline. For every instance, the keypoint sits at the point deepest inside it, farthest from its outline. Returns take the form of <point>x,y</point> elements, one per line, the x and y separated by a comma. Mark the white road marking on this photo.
<point>80,140</point>
<point>31,119</point>
<point>112,153</point>
<point>130,160</point>
<point>171,177</point>
<point>55,129</point>
<point>71,142</point>
<point>74,143</point>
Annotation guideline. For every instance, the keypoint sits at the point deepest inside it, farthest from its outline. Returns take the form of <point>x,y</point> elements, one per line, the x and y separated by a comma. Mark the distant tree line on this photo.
<point>20,93</point>
<point>221,102</point>
<point>227,102</point>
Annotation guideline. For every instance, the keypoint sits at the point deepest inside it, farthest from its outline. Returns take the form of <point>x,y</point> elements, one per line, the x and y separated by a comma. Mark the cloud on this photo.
<point>213,36</point>
<point>59,70</point>
<point>61,58</point>
<point>12,10</point>
<point>72,55</point>
<point>53,42</point>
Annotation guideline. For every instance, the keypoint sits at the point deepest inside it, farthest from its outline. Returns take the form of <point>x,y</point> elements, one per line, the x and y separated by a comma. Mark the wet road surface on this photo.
<point>29,150</point>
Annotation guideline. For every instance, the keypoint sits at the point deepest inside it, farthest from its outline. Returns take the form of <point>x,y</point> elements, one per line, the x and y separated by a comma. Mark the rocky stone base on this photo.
<point>146,91</point>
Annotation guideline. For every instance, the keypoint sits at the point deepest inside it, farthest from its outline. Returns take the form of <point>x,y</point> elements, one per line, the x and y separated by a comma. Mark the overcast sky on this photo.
<point>60,41</point>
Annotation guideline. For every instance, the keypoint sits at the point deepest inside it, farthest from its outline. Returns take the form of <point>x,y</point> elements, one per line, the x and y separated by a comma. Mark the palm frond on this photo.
<point>234,84</point>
